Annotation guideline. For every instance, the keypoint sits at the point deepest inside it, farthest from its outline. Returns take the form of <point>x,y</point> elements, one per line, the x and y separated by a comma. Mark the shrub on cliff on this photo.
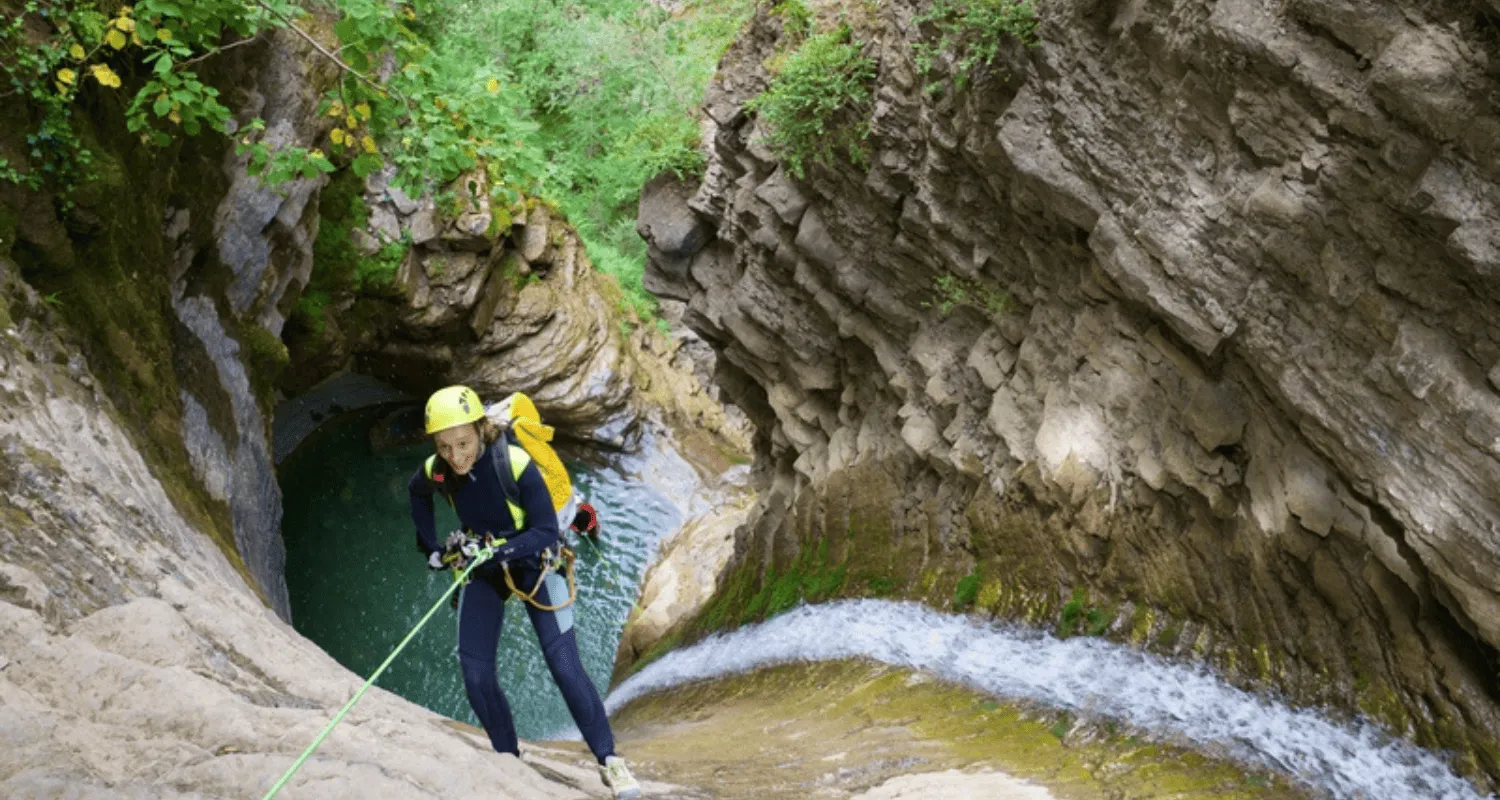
<point>972,32</point>
<point>818,103</point>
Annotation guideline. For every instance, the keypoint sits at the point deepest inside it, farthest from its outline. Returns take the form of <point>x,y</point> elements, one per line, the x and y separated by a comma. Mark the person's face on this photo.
<point>459,447</point>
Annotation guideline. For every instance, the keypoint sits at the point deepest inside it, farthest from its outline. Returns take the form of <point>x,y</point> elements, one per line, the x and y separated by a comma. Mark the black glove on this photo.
<point>586,521</point>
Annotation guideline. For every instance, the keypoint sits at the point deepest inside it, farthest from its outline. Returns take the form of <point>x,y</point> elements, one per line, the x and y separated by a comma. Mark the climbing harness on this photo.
<point>563,556</point>
<point>550,560</point>
<point>480,556</point>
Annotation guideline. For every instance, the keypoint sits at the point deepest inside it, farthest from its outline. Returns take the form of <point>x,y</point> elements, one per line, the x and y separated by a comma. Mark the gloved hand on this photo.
<point>453,550</point>
<point>586,521</point>
<point>435,560</point>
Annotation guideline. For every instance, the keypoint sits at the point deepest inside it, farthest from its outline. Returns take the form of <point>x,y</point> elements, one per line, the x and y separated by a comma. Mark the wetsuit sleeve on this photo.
<point>541,519</point>
<point>420,491</point>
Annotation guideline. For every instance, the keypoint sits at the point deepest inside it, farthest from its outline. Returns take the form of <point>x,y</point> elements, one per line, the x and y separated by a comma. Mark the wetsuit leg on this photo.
<point>481,615</point>
<point>559,641</point>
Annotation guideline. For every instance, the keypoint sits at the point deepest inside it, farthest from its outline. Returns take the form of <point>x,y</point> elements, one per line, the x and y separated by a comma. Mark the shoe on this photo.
<point>617,777</point>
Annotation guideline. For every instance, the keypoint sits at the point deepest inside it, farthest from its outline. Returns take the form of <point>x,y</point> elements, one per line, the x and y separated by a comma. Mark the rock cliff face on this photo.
<point>1240,397</point>
<point>134,660</point>
<point>504,298</point>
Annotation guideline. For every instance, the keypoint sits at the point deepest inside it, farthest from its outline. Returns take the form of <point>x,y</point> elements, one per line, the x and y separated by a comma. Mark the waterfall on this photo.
<point>1180,704</point>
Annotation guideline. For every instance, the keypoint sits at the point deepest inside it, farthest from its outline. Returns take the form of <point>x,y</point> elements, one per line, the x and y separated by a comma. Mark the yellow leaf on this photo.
<point>76,51</point>
<point>175,117</point>
<point>336,110</point>
<point>352,121</point>
<point>336,135</point>
<point>369,144</point>
<point>66,76</point>
<point>136,38</point>
<point>438,101</point>
<point>126,11</point>
<point>163,34</point>
<point>125,24</point>
<point>105,76</point>
<point>363,109</point>
<point>315,154</point>
<point>115,39</point>
<point>493,86</point>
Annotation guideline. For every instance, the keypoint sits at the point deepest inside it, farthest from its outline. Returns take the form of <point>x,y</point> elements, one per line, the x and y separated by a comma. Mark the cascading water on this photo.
<point>358,583</point>
<point>1084,675</point>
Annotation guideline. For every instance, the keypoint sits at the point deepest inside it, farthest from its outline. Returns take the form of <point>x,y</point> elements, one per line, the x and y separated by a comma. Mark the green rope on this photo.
<point>615,578</point>
<point>483,556</point>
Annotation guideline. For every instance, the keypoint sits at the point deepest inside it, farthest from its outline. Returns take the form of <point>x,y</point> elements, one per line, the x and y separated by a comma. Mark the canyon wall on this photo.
<point>1178,327</point>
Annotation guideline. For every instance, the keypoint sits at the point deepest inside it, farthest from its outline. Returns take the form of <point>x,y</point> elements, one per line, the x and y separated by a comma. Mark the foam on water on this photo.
<point>1087,675</point>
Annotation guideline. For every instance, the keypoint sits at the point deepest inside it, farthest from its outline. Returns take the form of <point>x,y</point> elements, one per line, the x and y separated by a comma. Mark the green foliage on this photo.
<point>972,31</point>
<point>379,271</point>
<point>1097,621</point>
<point>797,19</point>
<point>601,96</point>
<point>966,592</point>
<point>579,101</point>
<point>1078,615</point>
<point>818,103</point>
<point>953,291</point>
<point>338,267</point>
<point>46,75</point>
<point>1072,611</point>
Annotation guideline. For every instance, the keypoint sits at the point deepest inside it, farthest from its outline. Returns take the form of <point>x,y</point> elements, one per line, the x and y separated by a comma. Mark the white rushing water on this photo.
<point>1084,675</point>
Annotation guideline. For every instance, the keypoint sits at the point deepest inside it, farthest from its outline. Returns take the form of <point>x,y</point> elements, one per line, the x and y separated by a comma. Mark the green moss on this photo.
<point>661,648</point>
<point>1097,621</point>
<point>988,597</point>
<point>266,356</point>
<point>1170,633</point>
<point>819,711</point>
<point>1141,622</point>
<point>784,593</point>
<point>43,459</point>
<point>1379,701</point>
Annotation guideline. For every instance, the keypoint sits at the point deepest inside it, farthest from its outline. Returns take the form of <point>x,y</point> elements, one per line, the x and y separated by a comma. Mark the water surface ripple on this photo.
<point>1178,703</point>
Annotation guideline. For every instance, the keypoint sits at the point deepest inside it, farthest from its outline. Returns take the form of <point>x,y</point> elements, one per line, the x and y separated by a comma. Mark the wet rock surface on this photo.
<point>1189,308</point>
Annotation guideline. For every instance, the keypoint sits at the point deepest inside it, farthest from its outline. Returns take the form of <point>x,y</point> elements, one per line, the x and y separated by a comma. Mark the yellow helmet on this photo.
<point>452,406</point>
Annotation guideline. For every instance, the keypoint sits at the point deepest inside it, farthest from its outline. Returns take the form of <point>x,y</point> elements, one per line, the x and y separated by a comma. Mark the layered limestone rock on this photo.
<point>503,297</point>
<point>1186,313</point>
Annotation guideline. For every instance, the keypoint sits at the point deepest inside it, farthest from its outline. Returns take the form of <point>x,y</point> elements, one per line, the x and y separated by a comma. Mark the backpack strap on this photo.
<point>508,460</point>
<point>438,484</point>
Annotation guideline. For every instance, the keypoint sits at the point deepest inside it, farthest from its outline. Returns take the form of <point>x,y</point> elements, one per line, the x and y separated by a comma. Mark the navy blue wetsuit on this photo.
<point>480,502</point>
